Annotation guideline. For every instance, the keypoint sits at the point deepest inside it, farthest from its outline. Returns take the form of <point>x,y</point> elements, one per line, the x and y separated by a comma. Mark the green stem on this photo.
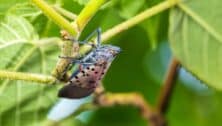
<point>87,13</point>
<point>56,17</point>
<point>44,42</point>
<point>27,77</point>
<point>138,18</point>
<point>64,12</point>
<point>17,66</point>
<point>134,21</point>
<point>25,58</point>
<point>69,49</point>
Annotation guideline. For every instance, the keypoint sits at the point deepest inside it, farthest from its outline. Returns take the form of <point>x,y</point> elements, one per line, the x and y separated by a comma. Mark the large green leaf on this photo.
<point>196,38</point>
<point>6,4</point>
<point>26,104</point>
<point>18,51</point>
<point>14,31</point>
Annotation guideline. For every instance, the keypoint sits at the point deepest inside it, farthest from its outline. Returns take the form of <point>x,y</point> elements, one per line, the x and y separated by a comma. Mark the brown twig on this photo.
<point>169,84</point>
<point>155,118</point>
<point>105,99</point>
<point>134,99</point>
<point>165,95</point>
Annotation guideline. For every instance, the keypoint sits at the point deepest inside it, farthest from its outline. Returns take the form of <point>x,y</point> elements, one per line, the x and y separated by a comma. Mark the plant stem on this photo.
<point>17,66</point>
<point>72,49</point>
<point>134,99</point>
<point>134,21</point>
<point>56,17</point>
<point>64,12</point>
<point>87,13</point>
<point>169,84</point>
<point>27,77</point>
<point>138,18</point>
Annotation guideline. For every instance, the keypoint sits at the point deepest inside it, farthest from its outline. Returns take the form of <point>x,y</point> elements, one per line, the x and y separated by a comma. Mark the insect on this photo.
<point>92,68</point>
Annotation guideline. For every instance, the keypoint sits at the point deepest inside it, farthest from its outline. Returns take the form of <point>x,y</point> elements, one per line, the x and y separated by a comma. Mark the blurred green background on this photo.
<point>139,68</point>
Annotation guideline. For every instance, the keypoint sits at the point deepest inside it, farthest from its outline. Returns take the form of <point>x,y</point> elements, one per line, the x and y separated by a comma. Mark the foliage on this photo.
<point>200,39</point>
<point>29,42</point>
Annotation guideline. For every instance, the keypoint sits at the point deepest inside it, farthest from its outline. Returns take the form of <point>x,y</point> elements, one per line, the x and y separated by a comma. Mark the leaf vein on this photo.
<point>201,22</point>
<point>10,29</point>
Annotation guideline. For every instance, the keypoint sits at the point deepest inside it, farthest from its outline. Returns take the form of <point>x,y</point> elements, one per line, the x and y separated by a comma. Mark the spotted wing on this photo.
<point>84,81</point>
<point>74,92</point>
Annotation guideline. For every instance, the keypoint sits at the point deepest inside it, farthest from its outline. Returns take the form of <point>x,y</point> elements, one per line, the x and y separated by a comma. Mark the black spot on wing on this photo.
<point>72,91</point>
<point>92,81</point>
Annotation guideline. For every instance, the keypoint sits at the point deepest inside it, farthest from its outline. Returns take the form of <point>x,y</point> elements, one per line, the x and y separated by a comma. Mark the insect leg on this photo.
<point>70,38</point>
<point>70,65</point>
<point>98,42</point>
<point>85,42</point>
<point>74,61</point>
<point>98,32</point>
<point>67,57</point>
<point>90,36</point>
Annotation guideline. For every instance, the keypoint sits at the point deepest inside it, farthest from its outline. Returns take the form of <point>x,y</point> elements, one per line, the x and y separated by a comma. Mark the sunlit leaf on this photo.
<point>196,39</point>
<point>18,49</point>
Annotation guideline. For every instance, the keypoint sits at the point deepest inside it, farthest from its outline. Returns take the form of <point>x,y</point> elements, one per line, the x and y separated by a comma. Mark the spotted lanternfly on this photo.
<point>92,69</point>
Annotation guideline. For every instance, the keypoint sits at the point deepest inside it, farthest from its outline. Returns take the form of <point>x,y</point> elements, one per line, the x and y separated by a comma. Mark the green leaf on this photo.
<point>6,4</point>
<point>25,10</point>
<point>19,52</point>
<point>196,39</point>
<point>14,31</point>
